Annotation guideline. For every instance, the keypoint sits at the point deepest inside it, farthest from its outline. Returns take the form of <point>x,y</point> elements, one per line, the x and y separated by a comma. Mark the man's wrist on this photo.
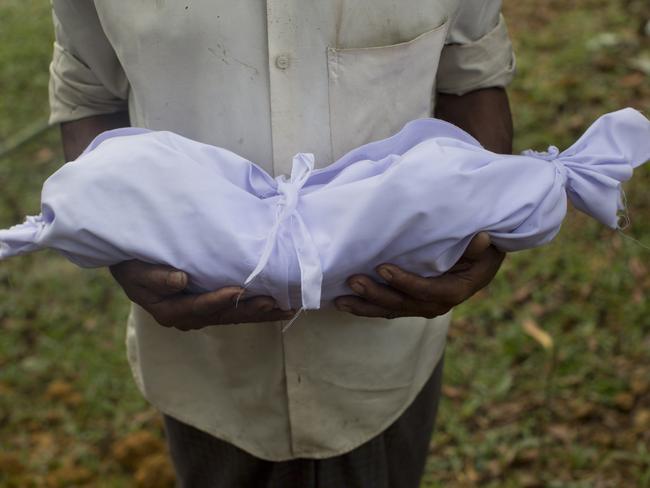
<point>77,134</point>
<point>484,113</point>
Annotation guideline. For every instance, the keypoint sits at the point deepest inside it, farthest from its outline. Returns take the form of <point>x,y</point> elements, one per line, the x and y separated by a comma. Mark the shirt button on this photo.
<point>282,61</point>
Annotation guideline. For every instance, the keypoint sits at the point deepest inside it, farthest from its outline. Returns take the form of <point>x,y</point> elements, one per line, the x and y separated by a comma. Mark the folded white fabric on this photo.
<point>414,199</point>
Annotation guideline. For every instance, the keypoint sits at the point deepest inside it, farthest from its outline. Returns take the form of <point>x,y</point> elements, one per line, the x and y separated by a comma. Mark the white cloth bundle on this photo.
<point>415,199</point>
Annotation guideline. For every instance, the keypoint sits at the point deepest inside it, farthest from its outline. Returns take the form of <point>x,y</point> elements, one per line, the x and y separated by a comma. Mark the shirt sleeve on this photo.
<point>86,77</point>
<point>478,52</point>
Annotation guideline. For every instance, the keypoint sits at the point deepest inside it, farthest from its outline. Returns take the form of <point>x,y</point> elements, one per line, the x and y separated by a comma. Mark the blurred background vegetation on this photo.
<point>547,380</point>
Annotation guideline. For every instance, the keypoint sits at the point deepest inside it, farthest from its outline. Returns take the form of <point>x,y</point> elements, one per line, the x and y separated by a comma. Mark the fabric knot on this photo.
<point>550,154</point>
<point>288,189</point>
<point>289,192</point>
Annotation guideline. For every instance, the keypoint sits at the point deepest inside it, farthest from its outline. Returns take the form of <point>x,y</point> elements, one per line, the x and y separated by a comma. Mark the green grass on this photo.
<point>514,414</point>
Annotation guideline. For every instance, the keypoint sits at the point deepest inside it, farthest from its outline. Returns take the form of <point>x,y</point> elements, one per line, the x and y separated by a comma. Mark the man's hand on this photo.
<point>409,295</point>
<point>484,113</point>
<point>160,291</point>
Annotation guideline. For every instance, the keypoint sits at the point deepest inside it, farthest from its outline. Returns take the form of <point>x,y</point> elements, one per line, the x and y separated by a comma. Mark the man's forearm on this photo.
<point>76,135</point>
<point>485,114</point>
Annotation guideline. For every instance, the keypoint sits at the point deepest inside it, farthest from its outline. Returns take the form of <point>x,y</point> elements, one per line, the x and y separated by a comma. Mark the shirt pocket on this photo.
<point>374,91</point>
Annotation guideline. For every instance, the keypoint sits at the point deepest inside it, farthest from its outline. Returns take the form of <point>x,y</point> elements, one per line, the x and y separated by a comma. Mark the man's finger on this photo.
<point>484,269</point>
<point>185,310</point>
<point>207,304</point>
<point>363,308</point>
<point>477,246</point>
<point>446,289</point>
<point>258,309</point>
<point>377,293</point>
<point>157,279</point>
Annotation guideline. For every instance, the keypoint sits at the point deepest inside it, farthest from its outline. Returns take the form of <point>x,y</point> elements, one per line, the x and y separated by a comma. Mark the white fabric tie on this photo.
<point>311,274</point>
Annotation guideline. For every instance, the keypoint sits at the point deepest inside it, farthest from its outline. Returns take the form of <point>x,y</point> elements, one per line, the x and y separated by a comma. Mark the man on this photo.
<point>344,398</point>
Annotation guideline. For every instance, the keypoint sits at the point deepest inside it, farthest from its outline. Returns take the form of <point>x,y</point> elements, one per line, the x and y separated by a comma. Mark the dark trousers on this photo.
<point>394,459</point>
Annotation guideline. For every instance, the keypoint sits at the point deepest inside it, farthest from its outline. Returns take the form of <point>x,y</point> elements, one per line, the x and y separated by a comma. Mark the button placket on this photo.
<point>281,35</point>
<point>281,30</point>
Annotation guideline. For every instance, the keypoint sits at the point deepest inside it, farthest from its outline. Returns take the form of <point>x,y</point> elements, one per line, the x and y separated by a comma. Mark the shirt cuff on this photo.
<point>76,93</point>
<point>487,62</point>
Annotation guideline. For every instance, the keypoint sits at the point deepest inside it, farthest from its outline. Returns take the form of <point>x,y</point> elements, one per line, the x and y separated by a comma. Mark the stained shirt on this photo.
<point>267,80</point>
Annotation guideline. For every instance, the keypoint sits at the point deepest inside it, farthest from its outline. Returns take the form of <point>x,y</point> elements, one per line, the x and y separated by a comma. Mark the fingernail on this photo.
<point>176,279</point>
<point>385,274</point>
<point>358,288</point>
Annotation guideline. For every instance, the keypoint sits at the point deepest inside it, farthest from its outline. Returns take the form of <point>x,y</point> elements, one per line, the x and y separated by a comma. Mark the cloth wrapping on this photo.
<point>415,199</point>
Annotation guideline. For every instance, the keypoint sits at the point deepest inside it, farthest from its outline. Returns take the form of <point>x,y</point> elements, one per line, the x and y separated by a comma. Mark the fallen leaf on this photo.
<point>495,467</point>
<point>132,449</point>
<point>530,480</point>
<point>527,456</point>
<point>602,437</point>
<point>642,419</point>
<point>155,472</point>
<point>637,268</point>
<point>470,475</point>
<point>44,155</point>
<point>541,336</point>
<point>562,432</point>
<point>43,445</point>
<point>523,293</point>
<point>507,412</point>
<point>59,390</point>
<point>633,80</point>
<point>453,392</point>
<point>580,409</point>
<point>10,463</point>
<point>5,389</point>
<point>536,309</point>
<point>624,401</point>
<point>68,476</point>
<point>639,384</point>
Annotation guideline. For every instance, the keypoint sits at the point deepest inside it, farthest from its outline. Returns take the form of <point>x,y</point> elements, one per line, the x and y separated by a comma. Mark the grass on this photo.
<point>575,413</point>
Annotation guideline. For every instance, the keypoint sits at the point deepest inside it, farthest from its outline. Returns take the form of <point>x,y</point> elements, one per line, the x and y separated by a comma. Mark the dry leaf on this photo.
<point>633,80</point>
<point>637,268</point>
<point>132,449</point>
<point>44,155</point>
<point>5,389</point>
<point>453,392</point>
<point>540,335</point>
<point>155,472</point>
<point>58,389</point>
<point>523,293</point>
<point>624,401</point>
<point>530,480</point>
<point>527,456</point>
<point>10,463</point>
<point>63,391</point>
<point>639,384</point>
<point>642,419</point>
<point>68,476</point>
<point>562,432</point>
<point>581,409</point>
<point>603,438</point>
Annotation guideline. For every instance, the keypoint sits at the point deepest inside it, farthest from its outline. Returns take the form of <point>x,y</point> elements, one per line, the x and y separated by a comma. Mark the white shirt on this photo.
<point>268,80</point>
